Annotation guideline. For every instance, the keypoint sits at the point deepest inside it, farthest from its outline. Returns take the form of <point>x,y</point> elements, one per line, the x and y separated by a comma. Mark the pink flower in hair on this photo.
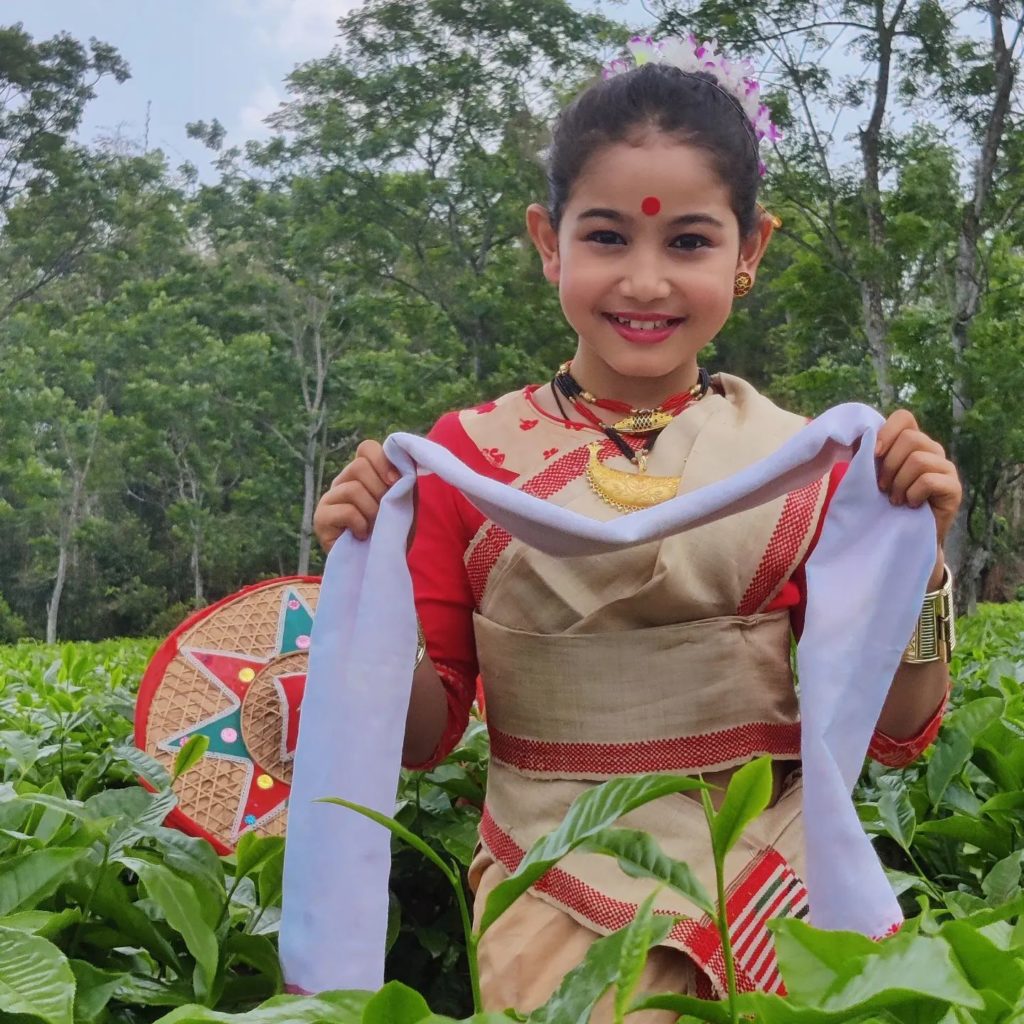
<point>690,55</point>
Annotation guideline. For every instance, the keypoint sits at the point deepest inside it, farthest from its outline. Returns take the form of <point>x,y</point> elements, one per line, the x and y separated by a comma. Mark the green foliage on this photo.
<point>107,915</point>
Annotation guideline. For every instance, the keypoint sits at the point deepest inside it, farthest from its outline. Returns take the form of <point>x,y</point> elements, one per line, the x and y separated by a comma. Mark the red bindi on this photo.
<point>650,205</point>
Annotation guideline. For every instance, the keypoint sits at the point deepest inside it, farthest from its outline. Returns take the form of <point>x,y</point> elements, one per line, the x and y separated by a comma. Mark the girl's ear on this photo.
<point>752,248</point>
<point>545,238</point>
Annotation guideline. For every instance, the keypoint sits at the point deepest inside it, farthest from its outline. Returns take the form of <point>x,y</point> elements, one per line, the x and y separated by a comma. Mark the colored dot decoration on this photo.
<point>650,205</point>
<point>229,735</point>
<point>302,642</point>
<point>265,782</point>
<point>294,605</point>
<point>247,675</point>
<point>250,819</point>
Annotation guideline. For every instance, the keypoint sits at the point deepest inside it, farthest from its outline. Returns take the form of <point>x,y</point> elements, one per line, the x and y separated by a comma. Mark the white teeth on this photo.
<point>643,325</point>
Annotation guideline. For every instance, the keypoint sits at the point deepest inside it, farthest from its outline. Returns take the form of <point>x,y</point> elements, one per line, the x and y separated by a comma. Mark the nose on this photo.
<point>645,278</point>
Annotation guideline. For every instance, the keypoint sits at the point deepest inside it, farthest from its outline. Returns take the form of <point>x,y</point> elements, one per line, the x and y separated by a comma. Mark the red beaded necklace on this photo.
<point>636,421</point>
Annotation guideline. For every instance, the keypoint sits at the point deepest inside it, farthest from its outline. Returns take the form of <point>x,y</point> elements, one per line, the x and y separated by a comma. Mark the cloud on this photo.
<point>261,105</point>
<point>301,28</point>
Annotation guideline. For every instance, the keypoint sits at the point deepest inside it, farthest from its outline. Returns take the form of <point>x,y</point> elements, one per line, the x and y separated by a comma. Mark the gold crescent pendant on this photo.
<point>628,492</point>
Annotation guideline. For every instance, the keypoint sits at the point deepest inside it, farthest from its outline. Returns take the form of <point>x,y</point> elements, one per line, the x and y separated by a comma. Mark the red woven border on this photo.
<point>787,537</point>
<point>547,482</point>
<point>699,937</point>
<point>681,753</point>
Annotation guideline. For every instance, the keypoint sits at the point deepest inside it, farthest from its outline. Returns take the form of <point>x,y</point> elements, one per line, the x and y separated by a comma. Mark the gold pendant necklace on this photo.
<point>644,421</point>
<point>628,492</point>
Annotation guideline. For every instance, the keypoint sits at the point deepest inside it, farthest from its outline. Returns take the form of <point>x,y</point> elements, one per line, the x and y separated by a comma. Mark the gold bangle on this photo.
<point>934,636</point>
<point>421,645</point>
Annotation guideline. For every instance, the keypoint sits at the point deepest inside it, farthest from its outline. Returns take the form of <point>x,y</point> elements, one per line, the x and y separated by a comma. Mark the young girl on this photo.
<point>671,656</point>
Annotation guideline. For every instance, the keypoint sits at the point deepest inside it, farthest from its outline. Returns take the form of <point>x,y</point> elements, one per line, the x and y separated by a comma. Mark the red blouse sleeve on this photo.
<point>445,524</point>
<point>883,748</point>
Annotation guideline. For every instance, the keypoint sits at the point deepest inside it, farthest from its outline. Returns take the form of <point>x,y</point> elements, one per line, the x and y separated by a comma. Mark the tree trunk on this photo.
<point>871,280</point>
<point>965,556</point>
<point>197,577</point>
<point>308,499</point>
<point>53,604</point>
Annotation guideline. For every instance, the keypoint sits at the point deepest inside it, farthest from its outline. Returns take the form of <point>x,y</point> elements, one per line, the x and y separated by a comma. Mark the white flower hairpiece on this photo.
<point>735,78</point>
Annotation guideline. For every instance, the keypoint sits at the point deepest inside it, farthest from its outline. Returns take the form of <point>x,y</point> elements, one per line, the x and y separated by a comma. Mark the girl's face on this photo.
<point>616,260</point>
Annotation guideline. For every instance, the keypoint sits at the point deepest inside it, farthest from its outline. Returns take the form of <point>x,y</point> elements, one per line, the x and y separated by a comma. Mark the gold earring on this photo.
<point>744,282</point>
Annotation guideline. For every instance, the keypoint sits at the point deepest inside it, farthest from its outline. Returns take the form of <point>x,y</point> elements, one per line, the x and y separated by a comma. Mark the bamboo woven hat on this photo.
<point>234,672</point>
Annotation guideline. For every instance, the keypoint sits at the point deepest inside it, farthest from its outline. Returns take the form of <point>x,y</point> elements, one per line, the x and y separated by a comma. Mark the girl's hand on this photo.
<point>913,469</point>
<point>354,496</point>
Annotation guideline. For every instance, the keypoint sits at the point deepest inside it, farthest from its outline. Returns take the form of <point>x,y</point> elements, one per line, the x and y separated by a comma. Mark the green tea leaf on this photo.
<point>1002,883</point>
<point>921,969</point>
<point>35,978</point>
<point>333,1007</point>
<point>949,756</point>
<point>253,851</point>
<point>48,923</point>
<point>811,960</point>
<point>1003,802</point>
<point>93,989</point>
<point>748,794</point>
<point>636,940</point>
<point>907,969</point>
<point>584,985</point>
<point>181,906</point>
<point>271,879</point>
<point>639,856</point>
<point>399,830</point>
<point>147,767</point>
<point>985,964</point>
<point>986,835</point>
<point>395,1003</point>
<point>595,809</point>
<point>897,812</point>
<point>194,858</point>
<point>689,1006</point>
<point>190,754</point>
<point>28,878</point>
<point>257,951</point>
<point>975,717</point>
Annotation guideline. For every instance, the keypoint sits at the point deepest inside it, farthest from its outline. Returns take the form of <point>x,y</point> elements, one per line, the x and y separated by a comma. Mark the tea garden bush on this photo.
<point>108,916</point>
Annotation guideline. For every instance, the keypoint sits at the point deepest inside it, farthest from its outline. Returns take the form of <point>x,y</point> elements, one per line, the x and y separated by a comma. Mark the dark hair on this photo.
<point>688,106</point>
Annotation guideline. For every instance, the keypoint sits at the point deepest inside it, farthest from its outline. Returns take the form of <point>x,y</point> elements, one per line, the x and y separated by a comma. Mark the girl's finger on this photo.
<point>356,495</point>
<point>938,488</point>
<point>899,421</point>
<point>362,471</point>
<point>900,450</point>
<point>330,523</point>
<point>916,465</point>
<point>373,452</point>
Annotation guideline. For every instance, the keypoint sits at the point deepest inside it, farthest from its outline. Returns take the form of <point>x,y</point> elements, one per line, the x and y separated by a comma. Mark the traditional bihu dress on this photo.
<point>671,656</point>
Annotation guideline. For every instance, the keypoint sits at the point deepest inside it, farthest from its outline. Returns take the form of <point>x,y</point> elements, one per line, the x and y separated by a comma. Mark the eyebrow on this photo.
<point>685,220</point>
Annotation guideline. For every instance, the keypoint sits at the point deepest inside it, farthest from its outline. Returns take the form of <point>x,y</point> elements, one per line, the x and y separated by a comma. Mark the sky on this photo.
<point>195,60</point>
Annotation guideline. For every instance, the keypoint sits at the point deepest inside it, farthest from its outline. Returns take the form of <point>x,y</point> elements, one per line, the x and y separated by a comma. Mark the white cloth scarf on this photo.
<point>865,582</point>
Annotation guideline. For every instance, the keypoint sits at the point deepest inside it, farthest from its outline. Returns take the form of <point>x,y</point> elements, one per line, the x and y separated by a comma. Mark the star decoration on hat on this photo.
<point>231,673</point>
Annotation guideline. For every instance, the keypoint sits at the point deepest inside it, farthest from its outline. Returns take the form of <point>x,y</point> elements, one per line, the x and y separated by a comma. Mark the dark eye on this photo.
<point>690,242</point>
<point>606,237</point>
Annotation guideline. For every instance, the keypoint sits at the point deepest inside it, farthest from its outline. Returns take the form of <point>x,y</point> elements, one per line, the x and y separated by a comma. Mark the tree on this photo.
<point>924,65</point>
<point>44,87</point>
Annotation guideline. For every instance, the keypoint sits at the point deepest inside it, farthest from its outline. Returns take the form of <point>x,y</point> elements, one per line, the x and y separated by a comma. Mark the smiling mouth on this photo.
<point>646,324</point>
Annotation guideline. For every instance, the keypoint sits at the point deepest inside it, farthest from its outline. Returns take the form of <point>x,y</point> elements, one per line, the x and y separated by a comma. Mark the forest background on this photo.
<point>185,364</point>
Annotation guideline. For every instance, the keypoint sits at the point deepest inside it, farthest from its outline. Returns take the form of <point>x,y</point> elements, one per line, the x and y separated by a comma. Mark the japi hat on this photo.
<point>234,672</point>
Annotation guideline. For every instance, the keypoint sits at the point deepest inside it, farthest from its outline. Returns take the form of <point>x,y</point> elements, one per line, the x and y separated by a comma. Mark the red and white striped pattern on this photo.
<point>767,890</point>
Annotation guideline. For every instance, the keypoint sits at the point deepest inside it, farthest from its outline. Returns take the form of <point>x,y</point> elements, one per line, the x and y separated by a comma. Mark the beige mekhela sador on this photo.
<point>656,658</point>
